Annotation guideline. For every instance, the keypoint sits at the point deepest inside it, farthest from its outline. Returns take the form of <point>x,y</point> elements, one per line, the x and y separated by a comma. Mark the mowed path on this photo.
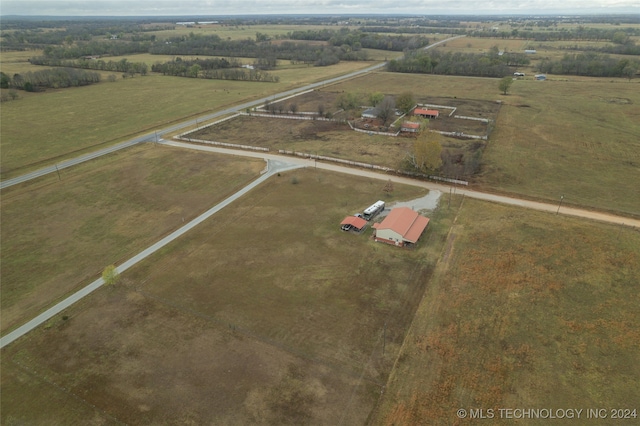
<point>502,199</point>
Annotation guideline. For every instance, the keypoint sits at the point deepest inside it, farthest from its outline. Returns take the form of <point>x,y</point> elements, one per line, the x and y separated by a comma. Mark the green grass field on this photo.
<point>577,137</point>
<point>58,235</point>
<point>44,128</point>
<point>526,310</point>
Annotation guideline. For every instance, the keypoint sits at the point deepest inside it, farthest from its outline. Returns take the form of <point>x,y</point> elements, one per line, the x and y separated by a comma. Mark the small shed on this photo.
<point>353,222</point>
<point>409,126</point>
<point>401,227</point>
<point>427,113</point>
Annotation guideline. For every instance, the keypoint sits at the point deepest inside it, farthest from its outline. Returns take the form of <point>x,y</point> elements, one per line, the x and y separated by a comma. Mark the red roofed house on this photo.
<point>402,226</point>
<point>427,113</point>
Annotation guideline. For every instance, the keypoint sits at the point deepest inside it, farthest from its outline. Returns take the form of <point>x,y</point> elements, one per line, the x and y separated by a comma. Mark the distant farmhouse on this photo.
<point>401,227</point>
<point>426,113</point>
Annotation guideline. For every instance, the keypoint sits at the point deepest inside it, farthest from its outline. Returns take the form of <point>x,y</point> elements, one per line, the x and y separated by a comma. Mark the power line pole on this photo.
<point>559,205</point>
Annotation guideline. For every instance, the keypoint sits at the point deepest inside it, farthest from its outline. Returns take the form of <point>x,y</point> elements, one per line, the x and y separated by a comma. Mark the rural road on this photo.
<point>274,166</point>
<point>502,199</point>
<point>150,137</point>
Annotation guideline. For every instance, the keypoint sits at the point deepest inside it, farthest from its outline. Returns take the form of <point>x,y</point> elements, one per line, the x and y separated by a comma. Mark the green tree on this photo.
<point>5,80</point>
<point>194,70</point>
<point>375,98</point>
<point>110,275</point>
<point>427,151</point>
<point>505,84</point>
<point>405,102</point>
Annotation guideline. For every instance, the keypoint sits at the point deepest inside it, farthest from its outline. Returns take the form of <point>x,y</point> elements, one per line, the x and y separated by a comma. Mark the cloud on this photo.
<point>256,7</point>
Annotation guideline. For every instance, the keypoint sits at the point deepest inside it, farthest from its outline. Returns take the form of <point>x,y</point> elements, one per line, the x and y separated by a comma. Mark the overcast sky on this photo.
<point>257,7</point>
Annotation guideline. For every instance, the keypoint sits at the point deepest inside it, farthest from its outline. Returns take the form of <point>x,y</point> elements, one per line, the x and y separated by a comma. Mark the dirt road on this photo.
<point>502,199</point>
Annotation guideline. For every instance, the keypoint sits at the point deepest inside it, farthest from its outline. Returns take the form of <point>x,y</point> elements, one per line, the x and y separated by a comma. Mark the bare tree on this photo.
<point>386,109</point>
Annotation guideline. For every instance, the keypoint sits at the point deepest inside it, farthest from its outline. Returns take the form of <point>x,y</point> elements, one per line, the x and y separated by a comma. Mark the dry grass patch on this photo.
<point>331,139</point>
<point>265,314</point>
<point>533,311</point>
<point>57,235</point>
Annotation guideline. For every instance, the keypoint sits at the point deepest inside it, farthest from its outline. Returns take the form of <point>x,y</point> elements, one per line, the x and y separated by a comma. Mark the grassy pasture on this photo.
<point>483,44</point>
<point>18,62</point>
<point>235,32</point>
<point>45,128</point>
<point>266,314</point>
<point>58,235</point>
<point>578,137</point>
<point>525,310</point>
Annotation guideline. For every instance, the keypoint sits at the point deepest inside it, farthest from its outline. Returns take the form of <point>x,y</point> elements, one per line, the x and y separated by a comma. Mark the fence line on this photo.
<point>286,116</point>
<point>461,135</point>
<point>452,108</point>
<point>371,166</point>
<point>371,132</point>
<point>225,144</point>
<point>464,117</point>
<point>181,135</point>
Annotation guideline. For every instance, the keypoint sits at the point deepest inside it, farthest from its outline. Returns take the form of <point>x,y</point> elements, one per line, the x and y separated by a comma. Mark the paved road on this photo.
<point>273,166</point>
<point>535,205</point>
<point>150,137</point>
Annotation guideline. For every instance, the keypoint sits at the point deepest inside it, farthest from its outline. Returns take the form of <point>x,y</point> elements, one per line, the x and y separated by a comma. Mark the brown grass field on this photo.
<point>526,310</point>
<point>58,235</point>
<point>267,314</point>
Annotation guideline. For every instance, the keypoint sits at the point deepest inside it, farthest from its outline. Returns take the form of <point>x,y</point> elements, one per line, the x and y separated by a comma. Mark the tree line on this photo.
<point>55,78</point>
<point>123,65</point>
<point>580,33</point>
<point>214,68</point>
<point>450,63</point>
<point>590,64</point>
<point>359,39</point>
<point>213,45</point>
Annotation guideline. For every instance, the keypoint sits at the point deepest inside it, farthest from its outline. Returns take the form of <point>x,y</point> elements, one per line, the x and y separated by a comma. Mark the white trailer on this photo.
<point>371,211</point>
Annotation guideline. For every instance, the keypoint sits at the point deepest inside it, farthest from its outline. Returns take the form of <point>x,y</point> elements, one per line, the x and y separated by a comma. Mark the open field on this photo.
<point>578,137</point>
<point>58,235</point>
<point>237,32</point>
<point>18,62</point>
<point>266,314</point>
<point>525,310</point>
<point>45,128</point>
<point>316,137</point>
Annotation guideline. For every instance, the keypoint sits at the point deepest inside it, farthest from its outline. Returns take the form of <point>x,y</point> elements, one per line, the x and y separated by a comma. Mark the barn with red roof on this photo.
<point>426,113</point>
<point>401,227</point>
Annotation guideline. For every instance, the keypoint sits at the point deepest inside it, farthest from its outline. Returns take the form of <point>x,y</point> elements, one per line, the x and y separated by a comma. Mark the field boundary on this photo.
<point>372,166</point>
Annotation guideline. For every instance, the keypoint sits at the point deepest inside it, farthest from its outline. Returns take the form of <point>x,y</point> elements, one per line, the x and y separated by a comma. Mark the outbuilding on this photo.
<point>410,127</point>
<point>353,223</point>
<point>401,227</point>
<point>426,113</point>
